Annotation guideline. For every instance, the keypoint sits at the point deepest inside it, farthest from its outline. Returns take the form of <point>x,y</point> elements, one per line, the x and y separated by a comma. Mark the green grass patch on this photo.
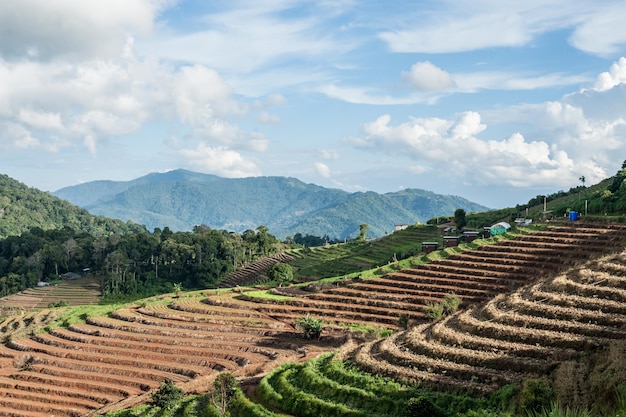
<point>367,330</point>
<point>267,295</point>
<point>79,315</point>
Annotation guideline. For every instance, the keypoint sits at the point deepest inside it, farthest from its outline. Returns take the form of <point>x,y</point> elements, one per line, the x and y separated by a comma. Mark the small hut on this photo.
<point>428,247</point>
<point>451,241</point>
<point>470,235</point>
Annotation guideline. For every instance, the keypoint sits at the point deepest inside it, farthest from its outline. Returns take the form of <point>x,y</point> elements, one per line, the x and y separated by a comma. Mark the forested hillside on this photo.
<point>23,207</point>
<point>132,265</point>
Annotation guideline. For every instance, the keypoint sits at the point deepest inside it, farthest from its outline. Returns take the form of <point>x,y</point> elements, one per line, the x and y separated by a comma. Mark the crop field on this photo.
<point>253,272</point>
<point>514,336</point>
<point>84,367</point>
<point>83,291</point>
<point>338,260</point>
<point>527,303</point>
<point>474,275</point>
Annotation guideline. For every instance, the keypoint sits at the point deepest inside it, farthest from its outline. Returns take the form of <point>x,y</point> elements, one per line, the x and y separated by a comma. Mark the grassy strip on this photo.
<point>302,403</point>
<point>307,378</point>
<point>267,295</point>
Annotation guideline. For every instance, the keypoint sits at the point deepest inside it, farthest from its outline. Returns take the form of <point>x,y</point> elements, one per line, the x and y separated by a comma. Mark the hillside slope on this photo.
<point>23,207</point>
<point>115,360</point>
<point>182,199</point>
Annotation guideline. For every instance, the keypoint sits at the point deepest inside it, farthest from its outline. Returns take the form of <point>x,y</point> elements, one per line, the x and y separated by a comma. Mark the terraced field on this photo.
<point>254,272</point>
<point>515,336</point>
<point>114,361</point>
<point>475,276</point>
<point>548,306</point>
<point>83,291</point>
<point>343,259</point>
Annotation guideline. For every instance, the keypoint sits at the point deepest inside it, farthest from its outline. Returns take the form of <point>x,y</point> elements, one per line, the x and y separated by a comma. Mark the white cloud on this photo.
<point>322,170</point>
<point>366,95</point>
<point>432,83</point>
<point>249,36</point>
<point>433,142</point>
<point>97,99</point>
<point>601,31</point>
<point>267,118</point>
<point>329,154</point>
<point>40,119</point>
<point>615,76</point>
<point>425,76</point>
<point>471,82</point>
<point>469,25</point>
<point>19,137</point>
<point>70,28</point>
<point>220,161</point>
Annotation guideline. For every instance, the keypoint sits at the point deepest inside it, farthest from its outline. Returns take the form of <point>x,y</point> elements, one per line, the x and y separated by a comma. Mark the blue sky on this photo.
<point>495,101</point>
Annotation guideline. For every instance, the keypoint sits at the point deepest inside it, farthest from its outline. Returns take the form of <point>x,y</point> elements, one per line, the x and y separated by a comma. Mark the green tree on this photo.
<point>224,388</point>
<point>166,395</point>
<point>459,218</point>
<point>537,395</point>
<point>363,231</point>
<point>281,273</point>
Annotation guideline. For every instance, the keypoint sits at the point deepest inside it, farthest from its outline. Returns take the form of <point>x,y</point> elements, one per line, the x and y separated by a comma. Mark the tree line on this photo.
<point>132,265</point>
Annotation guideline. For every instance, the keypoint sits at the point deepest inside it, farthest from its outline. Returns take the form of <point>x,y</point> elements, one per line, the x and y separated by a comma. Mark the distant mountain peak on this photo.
<point>182,199</point>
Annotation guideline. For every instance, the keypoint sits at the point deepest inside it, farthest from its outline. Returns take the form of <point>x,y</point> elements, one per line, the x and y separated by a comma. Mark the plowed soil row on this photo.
<point>475,276</point>
<point>88,368</point>
<point>75,292</point>
<point>514,336</point>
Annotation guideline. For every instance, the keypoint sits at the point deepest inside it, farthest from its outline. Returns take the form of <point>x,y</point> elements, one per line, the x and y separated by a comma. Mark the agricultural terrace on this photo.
<point>548,306</point>
<point>525,334</point>
<point>344,259</point>
<point>475,276</point>
<point>115,361</point>
<point>72,292</point>
<point>254,272</point>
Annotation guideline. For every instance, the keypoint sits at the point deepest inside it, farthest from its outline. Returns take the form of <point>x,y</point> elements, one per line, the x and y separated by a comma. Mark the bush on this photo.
<point>311,327</point>
<point>434,310</point>
<point>450,303</point>
<point>536,396</point>
<point>403,321</point>
<point>167,394</point>
<point>422,407</point>
<point>281,273</point>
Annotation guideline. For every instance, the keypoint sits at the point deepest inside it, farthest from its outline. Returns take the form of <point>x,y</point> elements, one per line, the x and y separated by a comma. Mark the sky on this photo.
<point>496,101</point>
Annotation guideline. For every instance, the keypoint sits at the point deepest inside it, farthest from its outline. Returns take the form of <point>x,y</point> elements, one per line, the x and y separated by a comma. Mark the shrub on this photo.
<point>281,273</point>
<point>422,407</point>
<point>166,395</point>
<point>434,310</point>
<point>450,303</point>
<point>403,321</point>
<point>536,396</point>
<point>311,327</point>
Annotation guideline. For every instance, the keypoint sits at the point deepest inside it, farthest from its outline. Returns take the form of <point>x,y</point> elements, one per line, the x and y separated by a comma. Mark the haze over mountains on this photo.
<point>182,199</point>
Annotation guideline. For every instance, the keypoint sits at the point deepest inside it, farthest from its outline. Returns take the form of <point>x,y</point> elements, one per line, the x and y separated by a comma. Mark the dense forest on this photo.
<point>132,265</point>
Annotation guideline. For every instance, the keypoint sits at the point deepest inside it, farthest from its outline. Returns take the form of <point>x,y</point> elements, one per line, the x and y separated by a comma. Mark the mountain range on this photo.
<point>182,199</point>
